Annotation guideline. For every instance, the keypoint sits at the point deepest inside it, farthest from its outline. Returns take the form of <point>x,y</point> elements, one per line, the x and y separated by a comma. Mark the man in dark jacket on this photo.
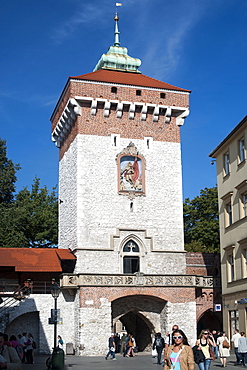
<point>159,344</point>
<point>112,348</point>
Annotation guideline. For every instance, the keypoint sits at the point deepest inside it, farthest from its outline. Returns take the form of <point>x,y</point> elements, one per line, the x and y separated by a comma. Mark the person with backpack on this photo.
<point>159,344</point>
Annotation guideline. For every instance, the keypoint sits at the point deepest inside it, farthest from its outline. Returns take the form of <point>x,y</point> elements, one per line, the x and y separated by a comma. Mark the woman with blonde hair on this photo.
<point>205,341</point>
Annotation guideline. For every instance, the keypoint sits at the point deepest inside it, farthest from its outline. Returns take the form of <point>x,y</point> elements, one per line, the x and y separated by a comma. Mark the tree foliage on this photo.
<point>28,218</point>
<point>7,175</point>
<point>201,222</point>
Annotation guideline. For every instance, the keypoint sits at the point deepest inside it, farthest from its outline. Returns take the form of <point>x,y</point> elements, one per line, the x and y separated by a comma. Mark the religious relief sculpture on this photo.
<point>131,168</point>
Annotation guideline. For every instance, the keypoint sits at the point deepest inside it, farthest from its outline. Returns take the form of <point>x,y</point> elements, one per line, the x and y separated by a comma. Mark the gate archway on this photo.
<point>141,316</point>
<point>209,320</point>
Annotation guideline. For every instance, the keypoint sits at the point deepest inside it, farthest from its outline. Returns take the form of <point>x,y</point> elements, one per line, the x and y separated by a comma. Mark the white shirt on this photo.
<point>235,339</point>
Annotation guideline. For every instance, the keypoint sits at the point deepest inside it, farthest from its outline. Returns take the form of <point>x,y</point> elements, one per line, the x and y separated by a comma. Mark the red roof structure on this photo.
<point>126,78</point>
<point>35,259</point>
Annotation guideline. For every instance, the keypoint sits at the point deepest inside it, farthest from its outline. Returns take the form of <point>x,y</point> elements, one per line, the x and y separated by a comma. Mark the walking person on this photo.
<point>29,349</point>
<point>179,356</point>
<point>131,345</point>
<point>123,343</point>
<point>235,339</point>
<point>159,344</point>
<point>216,348</point>
<point>59,342</point>
<point>224,345</point>
<point>205,341</point>
<point>112,348</point>
<point>242,348</point>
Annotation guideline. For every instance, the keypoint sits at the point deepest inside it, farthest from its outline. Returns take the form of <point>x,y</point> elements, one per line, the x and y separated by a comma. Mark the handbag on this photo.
<point>212,353</point>
<point>225,344</point>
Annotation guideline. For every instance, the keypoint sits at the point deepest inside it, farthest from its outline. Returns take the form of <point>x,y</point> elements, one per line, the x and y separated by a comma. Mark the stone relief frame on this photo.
<point>131,171</point>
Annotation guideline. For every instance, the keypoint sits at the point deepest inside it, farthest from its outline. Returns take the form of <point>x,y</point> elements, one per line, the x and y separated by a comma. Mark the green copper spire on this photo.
<point>117,57</point>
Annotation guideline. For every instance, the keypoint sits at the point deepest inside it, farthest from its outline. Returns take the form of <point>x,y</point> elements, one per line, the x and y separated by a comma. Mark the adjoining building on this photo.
<point>121,210</point>
<point>230,157</point>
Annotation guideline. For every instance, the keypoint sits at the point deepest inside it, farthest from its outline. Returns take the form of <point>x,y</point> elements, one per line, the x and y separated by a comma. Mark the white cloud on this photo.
<point>164,52</point>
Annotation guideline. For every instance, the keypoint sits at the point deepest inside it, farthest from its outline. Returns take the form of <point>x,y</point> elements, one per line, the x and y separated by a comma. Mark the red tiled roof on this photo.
<point>126,78</point>
<point>35,259</point>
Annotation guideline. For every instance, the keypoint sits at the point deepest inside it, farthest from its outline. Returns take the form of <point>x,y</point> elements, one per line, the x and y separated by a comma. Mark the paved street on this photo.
<point>140,362</point>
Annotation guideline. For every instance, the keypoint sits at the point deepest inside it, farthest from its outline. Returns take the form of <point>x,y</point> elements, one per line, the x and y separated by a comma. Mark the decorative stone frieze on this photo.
<point>139,279</point>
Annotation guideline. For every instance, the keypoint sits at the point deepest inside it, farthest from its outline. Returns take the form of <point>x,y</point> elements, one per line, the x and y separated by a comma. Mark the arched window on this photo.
<point>131,258</point>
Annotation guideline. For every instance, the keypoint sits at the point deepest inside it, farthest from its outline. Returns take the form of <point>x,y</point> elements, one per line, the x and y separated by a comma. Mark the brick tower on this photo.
<point>120,186</point>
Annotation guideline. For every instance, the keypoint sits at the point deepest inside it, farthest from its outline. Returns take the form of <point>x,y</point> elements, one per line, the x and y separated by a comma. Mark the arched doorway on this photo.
<point>141,316</point>
<point>28,322</point>
<point>136,324</point>
<point>209,320</point>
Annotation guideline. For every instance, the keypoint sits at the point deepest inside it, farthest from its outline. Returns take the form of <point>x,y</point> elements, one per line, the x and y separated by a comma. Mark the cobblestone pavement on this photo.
<point>142,361</point>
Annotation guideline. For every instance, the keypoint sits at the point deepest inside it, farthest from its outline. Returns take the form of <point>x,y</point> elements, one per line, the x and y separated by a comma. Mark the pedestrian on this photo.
<point>131,346</point>
<point>59,341</point>
<point>23,341</point>
<point>159,345</point>
<point>8,356</point>
<point>123,343</point>
<point>169,338</point>
<point>216,348</point>
<point>112,348</point>
<point>179,356</point>
<point>29,349</point>
<point>126,345</point>
<point>205,341</point>
<point>224,345</point>
<point>117,342</point>
<point>235,339</point>
<point>242,348</point>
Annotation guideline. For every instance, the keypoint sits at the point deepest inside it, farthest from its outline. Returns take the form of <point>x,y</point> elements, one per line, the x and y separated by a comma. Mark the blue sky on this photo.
<point>200,45</point>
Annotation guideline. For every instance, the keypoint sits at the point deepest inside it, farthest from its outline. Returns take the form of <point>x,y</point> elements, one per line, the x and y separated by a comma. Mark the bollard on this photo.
<point>57,359</point>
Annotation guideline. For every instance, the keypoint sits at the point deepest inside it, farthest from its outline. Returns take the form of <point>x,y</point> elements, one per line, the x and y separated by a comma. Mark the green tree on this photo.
<point>8,177</point>
<point>28,218</point>
<point>201,222</point>
<point>36,216</point>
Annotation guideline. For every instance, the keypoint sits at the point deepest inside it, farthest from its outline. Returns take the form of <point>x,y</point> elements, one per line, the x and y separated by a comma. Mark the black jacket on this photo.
<point>198,355</point>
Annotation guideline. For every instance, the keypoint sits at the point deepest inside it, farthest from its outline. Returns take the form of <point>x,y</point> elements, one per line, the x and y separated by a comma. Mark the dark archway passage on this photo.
<point>141,315</point>
<point>135,324</point>
<point>209,320</point>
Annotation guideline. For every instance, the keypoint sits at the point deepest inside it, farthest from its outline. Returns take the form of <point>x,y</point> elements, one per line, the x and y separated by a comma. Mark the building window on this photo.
<point>243,249</point>
<point>115,140</point>
<point>227,203</point>
<point>131,264</point>
<point>244,204</point>
<point>226,164</point>
<point>242,198</point>
<point>138,92</point>
<point>244,263</point>
<point>234,321</point>
<point>228,214</point>
<point>162,95</point>
<point>231,267</point>
<point>114,90</point>
<point>149,142</point>
<point>131,259</point>
<point>241,150</point>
